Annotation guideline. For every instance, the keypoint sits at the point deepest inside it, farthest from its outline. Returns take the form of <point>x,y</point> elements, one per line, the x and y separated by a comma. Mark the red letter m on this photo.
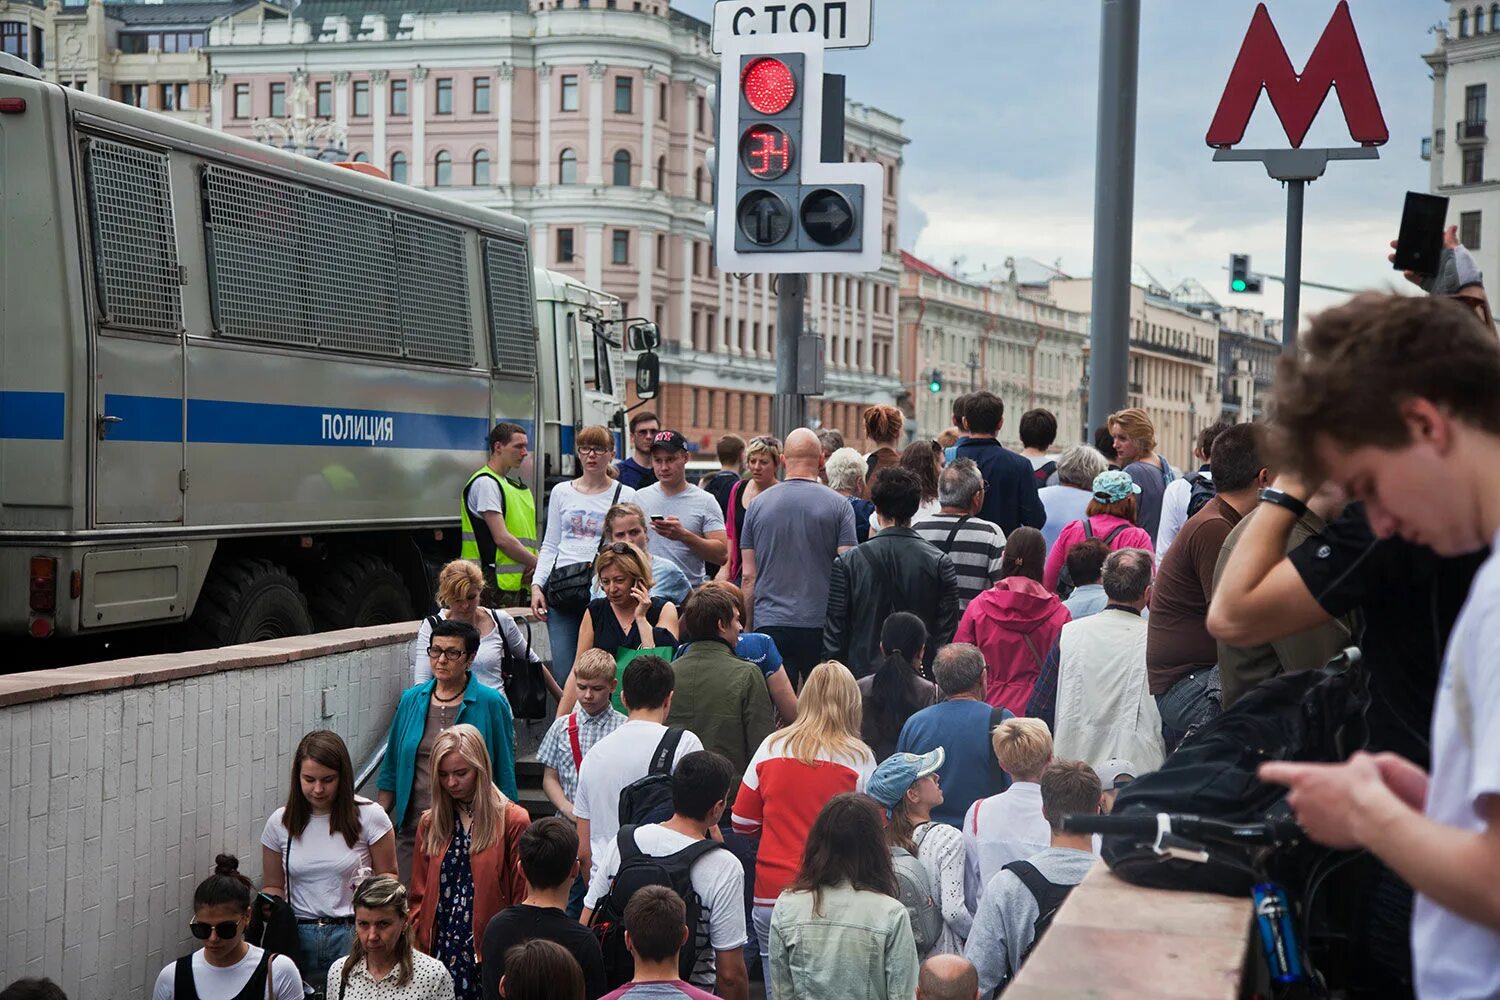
<point>1336,61</point>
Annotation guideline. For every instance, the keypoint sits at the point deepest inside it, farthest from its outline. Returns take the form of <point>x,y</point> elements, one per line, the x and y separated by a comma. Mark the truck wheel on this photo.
<point>248,600</point>
<point>359,589</point>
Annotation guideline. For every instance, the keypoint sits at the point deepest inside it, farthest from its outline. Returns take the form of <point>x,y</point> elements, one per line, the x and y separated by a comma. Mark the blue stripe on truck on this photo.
<point>32,416</point>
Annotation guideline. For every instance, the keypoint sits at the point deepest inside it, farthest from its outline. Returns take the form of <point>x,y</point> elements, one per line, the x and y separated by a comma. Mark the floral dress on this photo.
<point>453,933</point>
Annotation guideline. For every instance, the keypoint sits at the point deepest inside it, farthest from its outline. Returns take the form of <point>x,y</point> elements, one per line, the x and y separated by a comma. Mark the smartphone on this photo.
<point>1419,246</point>
<point>658,517</point>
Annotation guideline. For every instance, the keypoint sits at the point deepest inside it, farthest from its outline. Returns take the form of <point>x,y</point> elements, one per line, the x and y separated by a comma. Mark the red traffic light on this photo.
<point>768,85</point>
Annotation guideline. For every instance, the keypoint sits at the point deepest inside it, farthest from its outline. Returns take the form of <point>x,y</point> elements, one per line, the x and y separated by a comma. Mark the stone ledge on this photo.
<point>1114,939</point>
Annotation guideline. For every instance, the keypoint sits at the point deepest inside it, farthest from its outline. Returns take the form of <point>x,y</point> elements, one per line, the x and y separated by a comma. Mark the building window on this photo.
<point>697,261</point>
<point>398,168</point>
<point>398,97</point>
<point>242,100</point>
<point>661,102</point>
<point>624,95</point>
<point>481,168</point>
<point>620,246</point>
<point>1473,166</point>
<point>1478,20</point>
<point>174,97</point>
<point>133,94</point>
<point>361,157</point>
<point>661,253</point>
<point>1463,24</point>
<point>569,92</point>
<point>14,36</point>
<point>444,105</point>
<point>622,169</point>
<point>565,246</point>
<point>481,95</point>
<point>278,100</point>
<point>1474,108</point>
<point>698,184</point>
<point>361,98</point>
<point>1468,229</point>
<point>702,114</point>
<point>661,173</point>
<point>1494,17</point>
<point>442,169</point>
<point>323,92</point>
<point>567,167</point>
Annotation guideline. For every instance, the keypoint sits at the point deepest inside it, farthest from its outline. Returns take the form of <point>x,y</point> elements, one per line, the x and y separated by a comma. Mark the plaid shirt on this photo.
<point>556,750</point>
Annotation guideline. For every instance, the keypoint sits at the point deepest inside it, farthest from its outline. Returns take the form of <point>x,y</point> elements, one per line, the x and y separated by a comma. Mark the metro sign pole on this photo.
<point>1336,62</point>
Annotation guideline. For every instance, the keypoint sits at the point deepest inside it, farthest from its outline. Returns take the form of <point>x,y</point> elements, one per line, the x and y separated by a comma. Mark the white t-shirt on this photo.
<point>487,661</point>
<point>322,862</point>
<point>484,496</point>
<point>1455,957</point>
<point>1010,827</point>
<point>575,526</point>
<point>614,762</point>
<point>718,879</point>
<point>213,983</point>
<point>1174,504</point>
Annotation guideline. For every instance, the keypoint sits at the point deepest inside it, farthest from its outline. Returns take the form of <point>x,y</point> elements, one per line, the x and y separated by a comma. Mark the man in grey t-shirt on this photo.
<point>792,535</point>
<point>687,525</point>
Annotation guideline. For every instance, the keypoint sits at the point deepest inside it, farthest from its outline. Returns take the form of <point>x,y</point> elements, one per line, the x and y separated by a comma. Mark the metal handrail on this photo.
<point>368,769</point>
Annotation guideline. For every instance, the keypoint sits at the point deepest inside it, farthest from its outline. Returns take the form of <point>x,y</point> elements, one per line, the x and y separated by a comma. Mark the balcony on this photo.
<point>1471,133</point>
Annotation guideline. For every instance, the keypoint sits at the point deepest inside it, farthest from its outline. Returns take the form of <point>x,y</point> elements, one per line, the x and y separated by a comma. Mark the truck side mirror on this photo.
<point>642,337</point>
<point>647,376</point>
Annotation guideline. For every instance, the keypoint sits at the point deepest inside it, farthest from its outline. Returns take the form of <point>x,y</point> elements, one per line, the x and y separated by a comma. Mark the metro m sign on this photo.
<point>1337,61</point>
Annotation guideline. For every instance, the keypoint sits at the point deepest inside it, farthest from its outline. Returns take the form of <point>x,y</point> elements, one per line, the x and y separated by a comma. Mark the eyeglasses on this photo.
<point>448,655</point>
<point>594,452</point>
<point>226,929</point>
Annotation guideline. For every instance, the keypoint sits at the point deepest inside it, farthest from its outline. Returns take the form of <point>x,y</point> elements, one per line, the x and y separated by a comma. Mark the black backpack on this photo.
<point>638,870</point>
<point>1065,579</point>
<point>1049,898</point>
<point>649,799</point>
<point>1203,492</point>
<point>1043,473</point>
<point>1313,716</point>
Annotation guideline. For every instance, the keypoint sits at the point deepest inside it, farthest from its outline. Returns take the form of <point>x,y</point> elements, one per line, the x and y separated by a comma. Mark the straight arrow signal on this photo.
<point>765,211</point>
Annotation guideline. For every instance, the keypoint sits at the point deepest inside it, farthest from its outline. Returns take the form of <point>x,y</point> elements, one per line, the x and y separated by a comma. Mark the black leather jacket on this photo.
<point>897,570</point>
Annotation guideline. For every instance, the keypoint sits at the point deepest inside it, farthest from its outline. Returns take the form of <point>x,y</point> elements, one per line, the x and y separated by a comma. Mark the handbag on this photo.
<point>273,922</point>
<point>521,677</point>
<point>568,586</point>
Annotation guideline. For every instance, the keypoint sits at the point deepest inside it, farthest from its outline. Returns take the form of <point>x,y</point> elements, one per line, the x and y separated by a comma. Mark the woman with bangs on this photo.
<point>459,585</point>
<point>468,865</point>
<point>627,616</point>
<point>382,964</point>
<point>763,461</point>
<point>792,774</point>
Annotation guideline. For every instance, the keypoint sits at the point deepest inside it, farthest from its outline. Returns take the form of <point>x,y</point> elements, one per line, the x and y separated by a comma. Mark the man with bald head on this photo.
<point>947,977</point>
<point>791,537</point>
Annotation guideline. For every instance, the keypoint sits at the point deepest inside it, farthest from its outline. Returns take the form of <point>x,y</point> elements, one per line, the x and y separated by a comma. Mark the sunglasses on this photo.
<point>618,548</point>
<point>226,929</point>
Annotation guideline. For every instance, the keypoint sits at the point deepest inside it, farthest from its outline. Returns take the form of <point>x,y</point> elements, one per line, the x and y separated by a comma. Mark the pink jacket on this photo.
<point>1015,624</point>
<point>1072,533</point>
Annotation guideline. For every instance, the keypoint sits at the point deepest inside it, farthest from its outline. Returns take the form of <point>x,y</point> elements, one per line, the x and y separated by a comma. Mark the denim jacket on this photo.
<point>859,946</point>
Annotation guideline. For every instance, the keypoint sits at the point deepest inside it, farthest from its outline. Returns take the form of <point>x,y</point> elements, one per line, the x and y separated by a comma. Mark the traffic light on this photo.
<point>1241,278</point>
<point>935,381</point>
<point>778,208</point>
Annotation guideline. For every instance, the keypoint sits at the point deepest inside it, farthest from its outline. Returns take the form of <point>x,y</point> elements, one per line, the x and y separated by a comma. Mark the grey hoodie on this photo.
<point>1005,921</point>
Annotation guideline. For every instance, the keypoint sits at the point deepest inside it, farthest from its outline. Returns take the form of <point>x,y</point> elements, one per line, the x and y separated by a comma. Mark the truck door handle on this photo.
<point>104,421</point>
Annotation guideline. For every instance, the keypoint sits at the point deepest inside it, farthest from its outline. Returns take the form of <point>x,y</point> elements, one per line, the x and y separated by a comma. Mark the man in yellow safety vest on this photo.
<point>499,519</point>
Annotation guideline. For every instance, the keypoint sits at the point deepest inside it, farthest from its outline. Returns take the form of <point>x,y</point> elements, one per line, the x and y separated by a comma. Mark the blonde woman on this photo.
<point>627,616</point>
<point>459,585</point>
<point>381,961</point>
<point>793,773</point>
<point>762,459</point>
<point>467,866</point>
<point>1134,437</point>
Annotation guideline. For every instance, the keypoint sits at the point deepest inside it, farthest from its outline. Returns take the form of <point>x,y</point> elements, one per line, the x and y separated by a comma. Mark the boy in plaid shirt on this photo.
<point>570,737</point>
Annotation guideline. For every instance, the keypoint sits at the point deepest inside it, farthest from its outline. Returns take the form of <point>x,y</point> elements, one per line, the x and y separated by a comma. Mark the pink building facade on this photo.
<point>591,123</point>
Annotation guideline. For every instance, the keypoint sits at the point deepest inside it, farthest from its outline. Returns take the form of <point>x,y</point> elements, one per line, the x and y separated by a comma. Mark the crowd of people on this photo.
<point>832,757</point>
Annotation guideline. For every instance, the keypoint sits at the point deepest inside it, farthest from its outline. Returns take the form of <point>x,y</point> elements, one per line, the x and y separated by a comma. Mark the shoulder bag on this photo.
<point>521,676</point>
<point>568,586</point>
<point>273,922</point>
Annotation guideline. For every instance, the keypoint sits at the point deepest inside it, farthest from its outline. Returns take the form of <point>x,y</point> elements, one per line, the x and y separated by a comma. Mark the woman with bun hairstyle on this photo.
<point>227,967</point>
<point>883,427</point>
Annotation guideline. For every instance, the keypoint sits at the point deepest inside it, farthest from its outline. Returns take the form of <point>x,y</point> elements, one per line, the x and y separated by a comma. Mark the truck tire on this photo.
<point>359,589</point>
<point>248,600</point>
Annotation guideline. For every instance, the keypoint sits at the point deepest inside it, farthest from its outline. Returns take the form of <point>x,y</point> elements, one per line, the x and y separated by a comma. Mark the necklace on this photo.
<point>446,701</point>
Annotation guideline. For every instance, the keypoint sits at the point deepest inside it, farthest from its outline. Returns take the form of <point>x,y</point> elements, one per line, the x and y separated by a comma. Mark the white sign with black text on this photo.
<point>842,24</point>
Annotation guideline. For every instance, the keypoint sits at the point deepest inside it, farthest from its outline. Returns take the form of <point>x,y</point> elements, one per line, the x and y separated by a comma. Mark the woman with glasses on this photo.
<point>468,860</point>
<point>575,527</point>
<point>453,696</point>
<point>763,460</point>
<point>382,964</point>
<point>314,846</point>
<point>459,586</point>
<point>227,967</point>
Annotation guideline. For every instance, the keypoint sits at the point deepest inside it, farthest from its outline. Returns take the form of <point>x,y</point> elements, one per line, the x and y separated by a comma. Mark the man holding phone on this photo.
<point>687,525</point>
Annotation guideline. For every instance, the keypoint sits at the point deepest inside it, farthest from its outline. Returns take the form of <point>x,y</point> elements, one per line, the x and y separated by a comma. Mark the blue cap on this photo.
<point>1114,485</point>
<point>898,772</point>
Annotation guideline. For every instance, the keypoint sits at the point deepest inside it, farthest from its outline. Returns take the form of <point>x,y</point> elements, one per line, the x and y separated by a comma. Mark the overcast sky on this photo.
<point>999,100</point>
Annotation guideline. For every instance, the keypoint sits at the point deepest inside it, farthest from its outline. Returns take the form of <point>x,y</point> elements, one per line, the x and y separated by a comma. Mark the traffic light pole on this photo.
<point>1291,301</point>
<point>1114,203</point>
<point>789,409</point>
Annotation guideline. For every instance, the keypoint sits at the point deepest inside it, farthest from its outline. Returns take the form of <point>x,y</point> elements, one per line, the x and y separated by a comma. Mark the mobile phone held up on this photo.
<point>1419,246</point>
<point>658,517</point>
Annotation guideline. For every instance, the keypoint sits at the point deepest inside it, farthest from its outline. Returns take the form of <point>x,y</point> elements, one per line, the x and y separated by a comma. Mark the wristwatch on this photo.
<point>1281,498</point>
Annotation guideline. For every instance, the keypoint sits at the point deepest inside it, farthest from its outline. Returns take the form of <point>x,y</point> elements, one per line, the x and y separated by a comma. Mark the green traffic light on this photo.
<point>935,386</point>
<point>1238,284</point>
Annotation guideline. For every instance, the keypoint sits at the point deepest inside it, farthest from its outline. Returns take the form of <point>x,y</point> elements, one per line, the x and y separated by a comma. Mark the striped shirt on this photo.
<point>976,549</point>
<point>556,750</point>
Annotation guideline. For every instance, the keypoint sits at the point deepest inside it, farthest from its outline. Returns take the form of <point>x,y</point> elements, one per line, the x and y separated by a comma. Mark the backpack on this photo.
<point>916,894</point>
<point>649,799</point>
<point>638,870</point>
<point>1041,475</point>
<point>1049,898</point>
<point>1065,579</point>
<point>1203,492</point>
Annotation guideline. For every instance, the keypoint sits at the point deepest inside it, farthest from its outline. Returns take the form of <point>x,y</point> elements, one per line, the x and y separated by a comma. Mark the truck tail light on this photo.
<point>43,585</point>
<point>12,105</point>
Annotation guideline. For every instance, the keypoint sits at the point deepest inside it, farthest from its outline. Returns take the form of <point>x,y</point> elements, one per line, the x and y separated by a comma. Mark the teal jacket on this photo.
<point>484,708</point>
